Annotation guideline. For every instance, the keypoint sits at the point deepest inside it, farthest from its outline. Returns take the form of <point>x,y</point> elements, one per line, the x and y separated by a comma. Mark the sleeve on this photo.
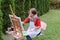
<point>26,20</point>
<point>38,23</point>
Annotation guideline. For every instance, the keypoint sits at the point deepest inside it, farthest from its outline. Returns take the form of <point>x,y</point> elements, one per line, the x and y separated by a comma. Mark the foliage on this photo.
<point>23,6</point>
<point>55,5</point>
<point>6,11</point>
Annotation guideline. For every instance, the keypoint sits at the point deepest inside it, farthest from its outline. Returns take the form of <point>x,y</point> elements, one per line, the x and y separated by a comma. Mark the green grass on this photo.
<point>52,18</point>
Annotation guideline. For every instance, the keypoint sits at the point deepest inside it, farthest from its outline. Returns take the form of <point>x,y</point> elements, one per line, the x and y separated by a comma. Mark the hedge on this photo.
<point>6,11</point>
<point>1,26</point>
<point>1,38</point>
<point>22,7</point>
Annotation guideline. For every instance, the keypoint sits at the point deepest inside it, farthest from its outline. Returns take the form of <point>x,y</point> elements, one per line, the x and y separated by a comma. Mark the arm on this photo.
<point>26,20</point>
<point>38,24</point>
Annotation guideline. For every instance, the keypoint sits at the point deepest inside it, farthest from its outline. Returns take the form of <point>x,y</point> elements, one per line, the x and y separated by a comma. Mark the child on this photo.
<point>35,24</point>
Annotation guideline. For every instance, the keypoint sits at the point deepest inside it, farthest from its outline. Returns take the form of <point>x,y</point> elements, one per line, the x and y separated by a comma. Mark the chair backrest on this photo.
<point>16,22</point>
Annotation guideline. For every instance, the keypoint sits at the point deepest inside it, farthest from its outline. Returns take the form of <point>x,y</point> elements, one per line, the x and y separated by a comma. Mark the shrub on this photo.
<point>23,6</point>
<point>6,11</point>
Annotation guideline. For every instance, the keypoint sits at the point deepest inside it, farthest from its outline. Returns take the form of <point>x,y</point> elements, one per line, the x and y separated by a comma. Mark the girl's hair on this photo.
<point>34,11</point>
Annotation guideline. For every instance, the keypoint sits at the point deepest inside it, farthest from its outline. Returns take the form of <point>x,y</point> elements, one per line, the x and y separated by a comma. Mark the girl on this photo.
<point>35,24</point>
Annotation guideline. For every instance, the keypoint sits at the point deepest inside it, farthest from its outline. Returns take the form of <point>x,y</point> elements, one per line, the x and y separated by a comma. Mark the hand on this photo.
<point>22,22</point>
<point>38,27</point>
<point>33,29</point>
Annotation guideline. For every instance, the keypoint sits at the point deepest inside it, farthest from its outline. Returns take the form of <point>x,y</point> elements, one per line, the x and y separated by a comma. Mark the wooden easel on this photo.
<point>16,24</point>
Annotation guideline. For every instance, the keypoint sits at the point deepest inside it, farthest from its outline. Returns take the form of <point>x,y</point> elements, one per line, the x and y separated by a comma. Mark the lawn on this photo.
<point>52,18</point>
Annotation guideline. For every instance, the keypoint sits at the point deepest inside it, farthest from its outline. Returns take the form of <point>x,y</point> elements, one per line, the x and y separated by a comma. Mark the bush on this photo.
<point>23,6</point>
<point>54,5</point>
<point>1,26</point>
<point>1,38</point>
<point>6,11</point>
